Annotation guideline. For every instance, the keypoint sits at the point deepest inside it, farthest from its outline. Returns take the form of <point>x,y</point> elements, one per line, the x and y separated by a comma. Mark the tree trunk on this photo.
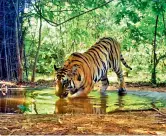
<point>37,53</point>
<point>24,52</point>
<point>153,78</point>
<point>6,73</point>
<point>164,25</point>
<point>20,68</point>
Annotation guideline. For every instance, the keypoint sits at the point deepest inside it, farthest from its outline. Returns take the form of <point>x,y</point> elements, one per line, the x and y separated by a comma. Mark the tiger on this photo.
<point>82,70</point>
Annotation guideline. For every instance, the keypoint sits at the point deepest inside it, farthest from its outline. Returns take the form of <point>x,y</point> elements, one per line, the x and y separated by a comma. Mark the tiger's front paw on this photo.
<point>122,91</point>
<point>78,94</point>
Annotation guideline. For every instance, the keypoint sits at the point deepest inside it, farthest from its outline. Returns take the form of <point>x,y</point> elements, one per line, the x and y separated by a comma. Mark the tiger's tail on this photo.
<point>124,62</point>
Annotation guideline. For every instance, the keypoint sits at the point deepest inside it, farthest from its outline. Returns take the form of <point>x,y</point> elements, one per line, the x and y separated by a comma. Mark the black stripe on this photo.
<point>111,59</point>
<point>114,64</point>
<point>110,66</point>
<point>81,58</point>
<point>98,47</point>
<point>109,43</point>
<point>116,51</point>
<point>76,61</point>
<point>102,45</point>
<point>111,51</point>
<point>93,57</point>
<point>103,79</point>
<point>119,70</point>
<point>98,65</point>
<point>93,49</point>
<point>102,72</point>
<point>114,44</point>
<point>97,54</point>
<point>95,79</point>
<point>93,52</point>
<point>89,58</point>
<point>107,38</point>
<point>86,57</point>
<point>104,65</point>
<point>98,70</point>
<point>96,62</point>
<point>82,87</point>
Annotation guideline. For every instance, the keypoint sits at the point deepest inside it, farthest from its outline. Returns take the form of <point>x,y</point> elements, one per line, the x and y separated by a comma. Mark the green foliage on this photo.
<point>130,22</point>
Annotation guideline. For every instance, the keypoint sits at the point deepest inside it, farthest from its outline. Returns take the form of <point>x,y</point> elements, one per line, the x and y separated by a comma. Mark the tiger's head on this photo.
<point>68,80</point>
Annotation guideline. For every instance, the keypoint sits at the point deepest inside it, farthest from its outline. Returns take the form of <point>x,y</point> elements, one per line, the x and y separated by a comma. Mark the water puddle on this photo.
<point>44,101</point>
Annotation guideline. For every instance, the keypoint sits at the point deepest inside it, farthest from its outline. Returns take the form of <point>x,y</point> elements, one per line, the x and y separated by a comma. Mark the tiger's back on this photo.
<point>104,55</point>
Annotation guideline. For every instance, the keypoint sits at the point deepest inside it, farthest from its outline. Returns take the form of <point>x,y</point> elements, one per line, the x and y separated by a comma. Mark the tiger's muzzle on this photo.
<point>64,87</point>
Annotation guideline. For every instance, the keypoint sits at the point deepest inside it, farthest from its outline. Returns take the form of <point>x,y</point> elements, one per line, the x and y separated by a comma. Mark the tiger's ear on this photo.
<point>55,68</point>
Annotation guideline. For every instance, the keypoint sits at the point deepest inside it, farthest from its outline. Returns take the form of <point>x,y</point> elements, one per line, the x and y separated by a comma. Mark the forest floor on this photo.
<point>140,122</point>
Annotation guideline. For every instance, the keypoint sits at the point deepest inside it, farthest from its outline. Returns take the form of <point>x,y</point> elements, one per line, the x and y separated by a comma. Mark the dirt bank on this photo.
<point>142,122</point>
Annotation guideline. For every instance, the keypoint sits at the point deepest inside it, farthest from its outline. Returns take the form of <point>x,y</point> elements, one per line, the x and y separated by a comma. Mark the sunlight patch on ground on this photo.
<point>144,131</point>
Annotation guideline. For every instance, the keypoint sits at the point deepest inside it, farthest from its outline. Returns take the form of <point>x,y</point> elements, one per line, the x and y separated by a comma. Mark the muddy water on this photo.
<point>9,102</point>
<point>44,101</point>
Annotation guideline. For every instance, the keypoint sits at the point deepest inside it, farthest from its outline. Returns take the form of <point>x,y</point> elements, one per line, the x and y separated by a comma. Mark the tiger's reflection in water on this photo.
<point>73,106</point>
<point>86,105</point>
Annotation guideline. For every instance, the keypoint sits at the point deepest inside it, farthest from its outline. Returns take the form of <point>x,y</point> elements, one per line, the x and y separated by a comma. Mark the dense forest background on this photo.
<point>53,29</point>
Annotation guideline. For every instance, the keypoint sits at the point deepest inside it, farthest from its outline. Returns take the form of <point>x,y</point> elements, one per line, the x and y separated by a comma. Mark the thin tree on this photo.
<point>39,45</point>
<point>156,59</point>
<point>20,67</point>
<point>154,53</point>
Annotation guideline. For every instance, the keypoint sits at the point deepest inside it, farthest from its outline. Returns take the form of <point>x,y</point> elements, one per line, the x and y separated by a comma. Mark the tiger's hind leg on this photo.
<point>105,84</point>
<point>119,72</point>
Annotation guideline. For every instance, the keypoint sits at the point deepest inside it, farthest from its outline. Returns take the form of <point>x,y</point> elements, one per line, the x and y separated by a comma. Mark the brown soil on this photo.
<point>149,122</point>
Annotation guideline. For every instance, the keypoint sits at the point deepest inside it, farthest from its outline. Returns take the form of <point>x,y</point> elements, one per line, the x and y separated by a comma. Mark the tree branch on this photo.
<point>65,10</point>
<point>39,14</point>
<point>58,24</point>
